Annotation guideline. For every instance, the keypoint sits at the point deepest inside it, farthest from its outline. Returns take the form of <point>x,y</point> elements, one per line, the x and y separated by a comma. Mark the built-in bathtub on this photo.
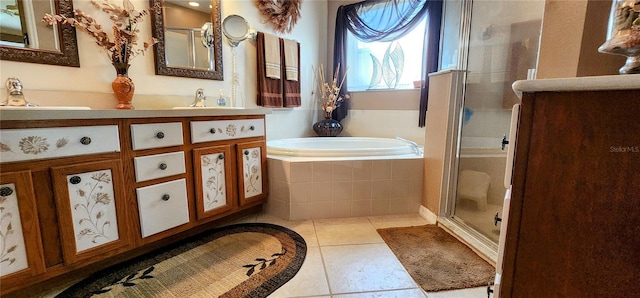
<point>315,178</point>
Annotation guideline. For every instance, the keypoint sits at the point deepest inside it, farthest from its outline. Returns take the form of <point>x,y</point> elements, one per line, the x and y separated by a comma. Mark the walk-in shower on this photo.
<point>494,43</point>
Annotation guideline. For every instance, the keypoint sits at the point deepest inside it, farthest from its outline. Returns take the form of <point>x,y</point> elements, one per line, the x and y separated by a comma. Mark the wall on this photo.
<point>572,31</point>
<point>90,85</point>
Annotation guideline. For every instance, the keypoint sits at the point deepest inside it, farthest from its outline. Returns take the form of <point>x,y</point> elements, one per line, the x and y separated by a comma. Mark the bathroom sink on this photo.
<point>46,108</point>
<point>207,108</point>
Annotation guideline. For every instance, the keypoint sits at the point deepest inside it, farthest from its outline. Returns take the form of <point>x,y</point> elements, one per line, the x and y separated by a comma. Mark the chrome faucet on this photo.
<point>15,96</point>
<point>416,148</point>
<point>199,100</point>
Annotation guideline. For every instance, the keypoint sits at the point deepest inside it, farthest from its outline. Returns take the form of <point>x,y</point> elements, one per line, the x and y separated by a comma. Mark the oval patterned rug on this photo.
<point>242,260</point>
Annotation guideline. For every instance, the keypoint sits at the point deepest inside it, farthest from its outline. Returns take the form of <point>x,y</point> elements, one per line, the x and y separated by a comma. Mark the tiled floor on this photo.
<point>346,258</point>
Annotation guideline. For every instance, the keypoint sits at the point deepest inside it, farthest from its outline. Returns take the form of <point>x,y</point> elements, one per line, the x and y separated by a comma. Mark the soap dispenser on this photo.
<point>222,101</point>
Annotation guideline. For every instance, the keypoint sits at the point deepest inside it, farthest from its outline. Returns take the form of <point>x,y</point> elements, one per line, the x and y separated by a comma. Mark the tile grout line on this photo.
<point>324,265</point>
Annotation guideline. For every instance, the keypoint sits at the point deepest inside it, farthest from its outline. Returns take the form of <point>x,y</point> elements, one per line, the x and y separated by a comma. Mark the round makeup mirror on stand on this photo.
<point>236,29</point>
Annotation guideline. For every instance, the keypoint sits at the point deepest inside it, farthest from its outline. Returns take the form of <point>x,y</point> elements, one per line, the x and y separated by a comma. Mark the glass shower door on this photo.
<point>502,48</point>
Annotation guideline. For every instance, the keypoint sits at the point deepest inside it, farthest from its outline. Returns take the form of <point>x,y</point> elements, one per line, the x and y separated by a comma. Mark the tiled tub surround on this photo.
<point>302,190</point>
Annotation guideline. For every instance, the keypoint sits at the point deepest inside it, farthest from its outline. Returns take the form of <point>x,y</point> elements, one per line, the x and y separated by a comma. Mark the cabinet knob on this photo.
<point>166,197</point>
<point>85,140</point>
<point>163,166</point>
<point>496,219</point>
<point>75,180</point>
<point>221,156</point>
<point>212,131</point>
<point>160,135</point>
<point>5,191</point>
<point>246,152</point>
<point>504,142</point>
<point>252,127</point>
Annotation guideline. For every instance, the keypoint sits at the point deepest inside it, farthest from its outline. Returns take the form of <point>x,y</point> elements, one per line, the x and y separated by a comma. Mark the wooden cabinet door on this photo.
<point>21,252</point>
<point>213,180</point>
<point>252,175</point>
<point>91,210</point>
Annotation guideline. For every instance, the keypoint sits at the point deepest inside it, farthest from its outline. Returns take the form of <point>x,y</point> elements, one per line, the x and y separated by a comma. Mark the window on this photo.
<point>385,65</point>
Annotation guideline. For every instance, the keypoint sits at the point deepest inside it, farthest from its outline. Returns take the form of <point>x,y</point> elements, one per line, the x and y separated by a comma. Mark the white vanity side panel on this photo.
<point>39,143</point>
<point>218,130</point>
<point>156,214</point>
<point>93,209</point>
<point>14,253</point>
<point>143,136</point>
<point>148,167</point>
<point>252,172</point>
<point>213,181</point>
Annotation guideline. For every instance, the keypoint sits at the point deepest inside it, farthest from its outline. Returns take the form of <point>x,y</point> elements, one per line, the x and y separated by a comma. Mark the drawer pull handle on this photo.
<point>6,191</point>
<point>246,152</point>
<point>85,140</point>
<point>166,197</point>
<point>252,127</point>
<point>163,166</point>
<point>160,135</point>
<point>75,180</point>
<point>496,219</point>
<point>212,131</point>
<point>221,156</point>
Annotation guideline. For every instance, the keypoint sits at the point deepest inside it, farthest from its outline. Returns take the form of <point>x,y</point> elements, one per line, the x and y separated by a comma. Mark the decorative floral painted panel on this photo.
<point>252,172</point>
<point>213,181</point>
<point>13,255</point>
<point>93,209</point>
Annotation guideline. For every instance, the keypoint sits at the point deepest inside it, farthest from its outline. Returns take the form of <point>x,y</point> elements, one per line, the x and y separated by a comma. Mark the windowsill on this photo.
<point>385,99</point>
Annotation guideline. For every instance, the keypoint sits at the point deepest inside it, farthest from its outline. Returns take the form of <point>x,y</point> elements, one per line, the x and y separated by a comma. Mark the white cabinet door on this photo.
<point>252,176</point>
<point>213,178</point>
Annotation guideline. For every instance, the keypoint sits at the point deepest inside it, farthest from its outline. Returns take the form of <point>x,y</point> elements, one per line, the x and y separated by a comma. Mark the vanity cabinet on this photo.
<point>572,227</point>
<point>232,175</point>
<point>78,197</point>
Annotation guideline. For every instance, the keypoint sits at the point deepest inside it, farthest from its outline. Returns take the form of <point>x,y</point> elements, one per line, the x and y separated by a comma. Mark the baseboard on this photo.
<point>429,216</point>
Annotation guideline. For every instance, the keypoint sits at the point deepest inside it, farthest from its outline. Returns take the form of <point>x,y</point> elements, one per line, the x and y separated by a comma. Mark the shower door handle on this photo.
<point>496,219</point>
<point>504,142</point>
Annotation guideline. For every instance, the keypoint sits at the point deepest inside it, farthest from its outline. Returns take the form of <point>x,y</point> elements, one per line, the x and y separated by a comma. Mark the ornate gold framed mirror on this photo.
<point>24,38</point>
<point>189,38</point>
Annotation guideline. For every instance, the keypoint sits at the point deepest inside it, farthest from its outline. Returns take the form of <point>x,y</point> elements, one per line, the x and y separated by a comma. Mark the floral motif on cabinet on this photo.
<point>252,168</point>
<point>34,145</point>
<point>92,208</point>
<point>213,181</point>
<point>13,256</point>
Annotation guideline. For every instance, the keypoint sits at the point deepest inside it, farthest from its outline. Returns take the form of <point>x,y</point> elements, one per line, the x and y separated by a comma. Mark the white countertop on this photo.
<point>617,82</point>
<point>40,114</point>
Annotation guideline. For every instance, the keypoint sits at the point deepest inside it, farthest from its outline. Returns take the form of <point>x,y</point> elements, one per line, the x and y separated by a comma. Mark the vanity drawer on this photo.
<point>40,143</point>
<point>217,130</point>
<point>156,135</point>
<point>159,165</point>
<point>162,206</point>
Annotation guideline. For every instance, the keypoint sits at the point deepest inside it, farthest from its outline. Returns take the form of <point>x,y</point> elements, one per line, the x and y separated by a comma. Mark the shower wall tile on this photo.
<point>301,172</point>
